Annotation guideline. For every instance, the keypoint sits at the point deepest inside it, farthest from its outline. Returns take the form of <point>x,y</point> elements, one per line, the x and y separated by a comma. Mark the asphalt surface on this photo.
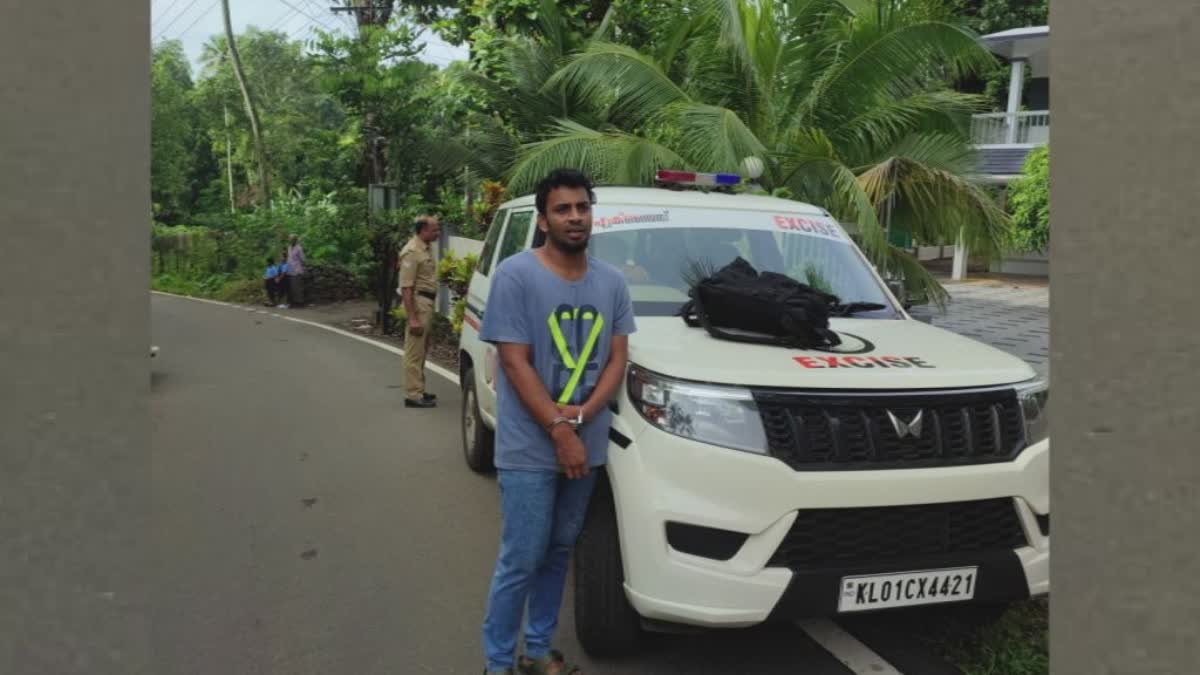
<point>306,522</point>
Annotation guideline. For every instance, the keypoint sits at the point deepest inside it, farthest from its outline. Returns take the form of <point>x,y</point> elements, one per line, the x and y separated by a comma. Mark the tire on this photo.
<point>606,625</point>
<point>478,440</point>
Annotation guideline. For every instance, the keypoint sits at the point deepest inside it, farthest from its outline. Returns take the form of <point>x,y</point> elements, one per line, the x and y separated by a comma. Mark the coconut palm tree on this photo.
<point>846,102</point>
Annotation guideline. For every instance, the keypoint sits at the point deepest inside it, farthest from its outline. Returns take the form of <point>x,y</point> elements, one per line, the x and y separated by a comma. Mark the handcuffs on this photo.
<point>575,422</point>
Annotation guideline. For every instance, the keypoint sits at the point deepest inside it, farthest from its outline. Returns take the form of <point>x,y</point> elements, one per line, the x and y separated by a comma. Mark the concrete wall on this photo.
<point>1025,264</point>
<point>459,246</point>
<point>462,246</point>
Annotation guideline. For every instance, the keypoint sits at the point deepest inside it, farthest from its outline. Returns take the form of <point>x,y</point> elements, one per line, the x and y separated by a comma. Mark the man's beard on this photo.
<point>564,245</point>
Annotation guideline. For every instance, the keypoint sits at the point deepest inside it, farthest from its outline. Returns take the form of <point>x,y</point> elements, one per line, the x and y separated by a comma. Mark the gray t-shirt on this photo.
<point>569,327</point>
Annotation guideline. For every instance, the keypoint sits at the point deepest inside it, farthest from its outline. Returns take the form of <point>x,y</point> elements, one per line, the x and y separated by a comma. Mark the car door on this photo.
<point>513,238</point>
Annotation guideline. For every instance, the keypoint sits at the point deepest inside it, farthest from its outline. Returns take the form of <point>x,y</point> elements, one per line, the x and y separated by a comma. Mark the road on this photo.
<point>306,522</point>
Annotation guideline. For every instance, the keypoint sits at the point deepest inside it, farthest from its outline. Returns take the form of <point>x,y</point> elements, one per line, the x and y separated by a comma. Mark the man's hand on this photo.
<point>572,456</point>
<point>572,412</point>
<point>415,327</point>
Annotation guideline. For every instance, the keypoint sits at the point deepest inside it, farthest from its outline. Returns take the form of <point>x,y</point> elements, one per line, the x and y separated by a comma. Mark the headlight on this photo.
<point>724,416</point>
<point>1034,397</point>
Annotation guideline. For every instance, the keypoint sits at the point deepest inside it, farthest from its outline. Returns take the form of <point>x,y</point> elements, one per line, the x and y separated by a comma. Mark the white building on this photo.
<point>1004,139</point>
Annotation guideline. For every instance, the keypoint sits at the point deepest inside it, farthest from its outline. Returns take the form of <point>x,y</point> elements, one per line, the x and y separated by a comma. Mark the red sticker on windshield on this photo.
<point>806,225</point>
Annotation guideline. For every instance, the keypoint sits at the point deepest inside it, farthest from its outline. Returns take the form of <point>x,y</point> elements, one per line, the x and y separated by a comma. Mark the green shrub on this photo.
<point>456,273</point>
<point>1029,204</point>
<point>243,291</point>
<point>219,248</point>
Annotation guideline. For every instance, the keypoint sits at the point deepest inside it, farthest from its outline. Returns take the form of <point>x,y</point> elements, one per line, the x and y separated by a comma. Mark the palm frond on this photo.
<point>630,83</point>
<point>714,138</point>
<point>887,123</point>
<point>895,63</point>
<point>612,158</point>
<point>685,31</point>
<point>810,160</point>
<point>553,27</point>
<point>937,203</point>
<point>728,15</point>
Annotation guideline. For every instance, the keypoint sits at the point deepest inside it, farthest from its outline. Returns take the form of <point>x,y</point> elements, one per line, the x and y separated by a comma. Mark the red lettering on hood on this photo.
<point>825,362</point>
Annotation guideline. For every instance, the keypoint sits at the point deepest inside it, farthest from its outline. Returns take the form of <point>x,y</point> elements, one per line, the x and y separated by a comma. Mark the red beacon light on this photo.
<point>697,178</point>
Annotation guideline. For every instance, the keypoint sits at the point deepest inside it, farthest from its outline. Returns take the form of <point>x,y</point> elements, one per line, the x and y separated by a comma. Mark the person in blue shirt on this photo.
<point>560,319</point>
<point>285,281</point>
<point>271,281</point>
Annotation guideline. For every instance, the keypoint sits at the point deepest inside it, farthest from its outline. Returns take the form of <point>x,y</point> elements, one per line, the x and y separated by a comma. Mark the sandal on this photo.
<point>551,664</point>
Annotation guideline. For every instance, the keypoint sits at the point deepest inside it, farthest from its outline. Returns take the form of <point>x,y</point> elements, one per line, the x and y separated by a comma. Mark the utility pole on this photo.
<point>370,14</point>
<point>229,160</point>
<point>467,184</point>
<point>259,150</point>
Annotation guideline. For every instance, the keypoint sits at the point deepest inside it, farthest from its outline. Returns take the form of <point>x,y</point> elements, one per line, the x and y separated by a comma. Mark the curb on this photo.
<point>440,370</point>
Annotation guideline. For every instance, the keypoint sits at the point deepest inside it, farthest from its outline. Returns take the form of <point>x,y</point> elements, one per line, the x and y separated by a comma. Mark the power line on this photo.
<point>310,16</point>
<point>304,32</point>
<point>162,15</point>
<point>320,9</point>
<point>206,13</point>
<point>178,17</point>
<point>287,17</point>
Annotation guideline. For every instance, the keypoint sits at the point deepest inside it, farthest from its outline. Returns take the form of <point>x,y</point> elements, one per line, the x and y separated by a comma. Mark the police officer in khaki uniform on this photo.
<point>418,288</point>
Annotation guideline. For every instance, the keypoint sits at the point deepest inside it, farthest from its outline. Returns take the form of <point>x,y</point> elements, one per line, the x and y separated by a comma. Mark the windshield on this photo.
<point>656,251</point>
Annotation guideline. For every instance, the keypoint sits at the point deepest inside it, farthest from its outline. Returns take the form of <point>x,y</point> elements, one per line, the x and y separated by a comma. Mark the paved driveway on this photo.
<point>1014,317</point>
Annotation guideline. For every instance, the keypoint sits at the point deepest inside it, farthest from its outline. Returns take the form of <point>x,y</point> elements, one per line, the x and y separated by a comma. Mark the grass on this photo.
<point>1016,644</point>
<point>213,288</point>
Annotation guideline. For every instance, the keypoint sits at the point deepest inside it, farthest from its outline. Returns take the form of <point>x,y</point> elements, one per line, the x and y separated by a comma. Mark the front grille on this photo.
<point>823,538</point>
<point>815,432</point>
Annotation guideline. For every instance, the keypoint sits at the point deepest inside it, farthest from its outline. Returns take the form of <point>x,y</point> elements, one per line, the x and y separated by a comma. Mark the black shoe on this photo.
<point>423,403</point>
<point>430,397</point>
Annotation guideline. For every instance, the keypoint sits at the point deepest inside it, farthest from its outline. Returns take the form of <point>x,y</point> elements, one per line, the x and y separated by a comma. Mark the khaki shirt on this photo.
<point>417,267</point>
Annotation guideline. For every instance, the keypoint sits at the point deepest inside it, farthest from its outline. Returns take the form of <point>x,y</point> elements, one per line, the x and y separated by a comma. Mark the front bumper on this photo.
<point>658,478</point>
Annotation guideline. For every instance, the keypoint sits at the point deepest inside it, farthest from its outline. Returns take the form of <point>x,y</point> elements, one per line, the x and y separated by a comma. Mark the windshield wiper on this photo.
<point>851,308</point>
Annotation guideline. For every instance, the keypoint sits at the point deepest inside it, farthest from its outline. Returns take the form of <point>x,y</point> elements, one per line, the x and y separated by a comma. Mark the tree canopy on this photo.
<point>855,105</point>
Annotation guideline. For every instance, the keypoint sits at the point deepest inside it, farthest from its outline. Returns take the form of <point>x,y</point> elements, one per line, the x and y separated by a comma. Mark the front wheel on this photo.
<point>606,625</point>
<point>478,440</point>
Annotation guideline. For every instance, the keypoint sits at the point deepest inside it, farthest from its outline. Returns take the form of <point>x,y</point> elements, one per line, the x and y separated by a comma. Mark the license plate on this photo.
<point>905,589</point>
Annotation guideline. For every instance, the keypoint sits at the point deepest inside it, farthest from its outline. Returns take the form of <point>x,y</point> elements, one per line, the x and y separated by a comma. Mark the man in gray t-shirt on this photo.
<point>560,320</point>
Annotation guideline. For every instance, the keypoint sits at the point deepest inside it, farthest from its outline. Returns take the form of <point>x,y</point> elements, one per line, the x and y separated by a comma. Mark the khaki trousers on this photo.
<point>415,350</point>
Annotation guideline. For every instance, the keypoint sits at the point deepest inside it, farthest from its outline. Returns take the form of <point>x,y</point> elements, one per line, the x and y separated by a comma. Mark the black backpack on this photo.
<point>738,303</point>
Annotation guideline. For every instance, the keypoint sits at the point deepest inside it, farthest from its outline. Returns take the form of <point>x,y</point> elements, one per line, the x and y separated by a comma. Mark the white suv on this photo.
<point>749,483</point>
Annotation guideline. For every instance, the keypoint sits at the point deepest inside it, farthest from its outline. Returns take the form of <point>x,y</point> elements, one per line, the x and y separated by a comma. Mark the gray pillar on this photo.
<point>443,301</point>
<point>1016,83</point>
<point>959,271</point>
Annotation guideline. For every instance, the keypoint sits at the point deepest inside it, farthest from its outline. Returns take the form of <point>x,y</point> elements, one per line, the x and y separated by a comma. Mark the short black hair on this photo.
<point>419,225</point>
<point>572,178</point>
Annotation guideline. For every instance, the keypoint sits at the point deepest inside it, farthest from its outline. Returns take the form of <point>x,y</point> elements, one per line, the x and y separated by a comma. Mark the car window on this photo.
<point>515,235</point>
<point>489,244</point>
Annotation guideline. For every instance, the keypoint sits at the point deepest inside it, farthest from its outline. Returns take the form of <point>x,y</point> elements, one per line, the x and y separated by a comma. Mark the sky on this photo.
<point>194,21</point>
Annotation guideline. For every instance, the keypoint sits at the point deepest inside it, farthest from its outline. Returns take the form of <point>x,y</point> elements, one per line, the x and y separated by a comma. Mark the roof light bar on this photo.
<point>697,178</point>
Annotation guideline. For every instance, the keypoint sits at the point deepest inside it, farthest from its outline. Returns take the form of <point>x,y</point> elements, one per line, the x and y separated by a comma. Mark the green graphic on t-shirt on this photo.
<point>577,364</point>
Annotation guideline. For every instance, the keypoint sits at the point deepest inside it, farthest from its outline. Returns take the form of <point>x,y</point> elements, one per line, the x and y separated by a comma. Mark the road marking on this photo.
<point>444,372</point>
<point>856,656</point>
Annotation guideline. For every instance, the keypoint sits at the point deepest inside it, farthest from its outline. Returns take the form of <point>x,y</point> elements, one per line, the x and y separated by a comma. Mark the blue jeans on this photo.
<point>542,514</point>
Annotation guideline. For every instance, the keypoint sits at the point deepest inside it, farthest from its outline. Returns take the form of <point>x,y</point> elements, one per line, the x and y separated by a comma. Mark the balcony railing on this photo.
<point>1022,128</point>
